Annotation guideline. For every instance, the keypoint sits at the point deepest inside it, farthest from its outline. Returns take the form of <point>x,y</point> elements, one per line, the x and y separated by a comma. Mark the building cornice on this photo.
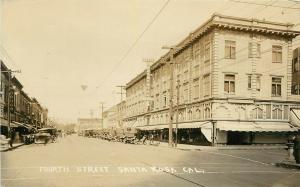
<point>226,23</point>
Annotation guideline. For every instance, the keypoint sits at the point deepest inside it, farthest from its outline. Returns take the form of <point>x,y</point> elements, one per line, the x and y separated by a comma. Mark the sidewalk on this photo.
<point>287,164</point>
<point>224,147</point>
<point>8,148</point>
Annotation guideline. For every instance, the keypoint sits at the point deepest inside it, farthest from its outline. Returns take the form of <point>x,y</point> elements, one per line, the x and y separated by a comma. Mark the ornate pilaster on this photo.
<point>215,64</point>
<point>253,66</point>
<point>289,69</point>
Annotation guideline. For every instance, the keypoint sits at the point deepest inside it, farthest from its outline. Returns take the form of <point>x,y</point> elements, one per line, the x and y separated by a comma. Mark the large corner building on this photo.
<point>232,84</point>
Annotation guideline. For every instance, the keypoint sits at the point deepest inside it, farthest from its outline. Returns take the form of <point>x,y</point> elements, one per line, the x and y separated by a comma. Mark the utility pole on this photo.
<point>149,100</point>
<point>102,110</point>
<point>177,110</point>
<point>171,67</point>
<point>9,72</point>
<point>121,92</point>
<point>91,113</point>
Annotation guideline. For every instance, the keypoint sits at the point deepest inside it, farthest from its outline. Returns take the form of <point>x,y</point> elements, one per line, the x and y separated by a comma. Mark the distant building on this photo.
<point>110,118</point>
<point>88,123</point>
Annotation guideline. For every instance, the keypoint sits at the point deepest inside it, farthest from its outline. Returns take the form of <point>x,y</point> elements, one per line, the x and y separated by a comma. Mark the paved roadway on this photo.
<point>79,161</point>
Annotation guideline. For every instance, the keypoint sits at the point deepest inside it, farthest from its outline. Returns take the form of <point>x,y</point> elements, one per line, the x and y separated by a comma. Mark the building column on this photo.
<point>253,66</point>
<point>215,64</point>
<point>289,68</point>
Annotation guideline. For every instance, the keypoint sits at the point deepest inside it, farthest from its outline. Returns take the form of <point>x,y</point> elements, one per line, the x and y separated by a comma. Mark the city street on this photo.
<point>81,161</point>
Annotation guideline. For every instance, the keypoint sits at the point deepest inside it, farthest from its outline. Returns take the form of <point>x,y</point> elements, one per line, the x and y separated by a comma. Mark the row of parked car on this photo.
<point>127,139</point>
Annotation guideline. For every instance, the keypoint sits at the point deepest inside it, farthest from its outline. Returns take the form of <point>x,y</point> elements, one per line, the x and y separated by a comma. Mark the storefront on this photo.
<point>245,133</point>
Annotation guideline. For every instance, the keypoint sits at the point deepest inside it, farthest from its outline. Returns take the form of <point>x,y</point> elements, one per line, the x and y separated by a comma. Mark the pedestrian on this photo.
<point>12,137</point>
<point>151,138</point>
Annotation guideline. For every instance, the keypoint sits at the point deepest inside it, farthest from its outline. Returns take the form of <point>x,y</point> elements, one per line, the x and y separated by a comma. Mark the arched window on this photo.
<point>257,113</point>
<point>277,113</point>
<point>190,115</point>
<point>180,116</point>
<point>207,113</point>
<point>198,114</point>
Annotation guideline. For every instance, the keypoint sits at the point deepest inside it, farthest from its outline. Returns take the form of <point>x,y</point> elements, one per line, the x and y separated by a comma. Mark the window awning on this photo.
<point>295,117</point>
<point>152,127</point>
<point>129,124</point>
<point>190,125</point>
<point>255,126</point>
<point>193,125</point>
<point>5,123</point>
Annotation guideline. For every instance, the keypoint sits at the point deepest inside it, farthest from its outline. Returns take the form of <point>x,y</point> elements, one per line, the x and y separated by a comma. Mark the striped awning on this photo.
<point>255,126</point>
<point>128,124</point>
<point>295,117</point>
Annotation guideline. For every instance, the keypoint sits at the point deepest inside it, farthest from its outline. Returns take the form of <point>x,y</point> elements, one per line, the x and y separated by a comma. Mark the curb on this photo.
<point>12,148</point>
<point>288,165</point>
<point>228,148</point>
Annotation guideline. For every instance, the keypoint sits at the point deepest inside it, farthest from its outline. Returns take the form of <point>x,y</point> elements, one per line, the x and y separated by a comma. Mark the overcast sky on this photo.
<point>62,44</point>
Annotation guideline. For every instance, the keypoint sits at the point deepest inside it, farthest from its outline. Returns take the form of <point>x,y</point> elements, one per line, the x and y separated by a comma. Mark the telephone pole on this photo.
<point>102,110</point>
<point>170,63</point>
<point>121,91</point>
<point>177,110</point>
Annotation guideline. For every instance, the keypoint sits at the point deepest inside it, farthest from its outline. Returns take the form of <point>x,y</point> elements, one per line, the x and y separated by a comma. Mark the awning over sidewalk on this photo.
<point>27,126</point>
<point>152,127</point>
<point>255,126</point>
<point>192,125</point>
<point>295,117</point>
<point>5,123</point>
<point>129,124</point>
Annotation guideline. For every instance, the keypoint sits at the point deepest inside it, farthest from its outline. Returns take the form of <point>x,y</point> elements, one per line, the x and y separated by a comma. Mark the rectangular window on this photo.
<point>257,50</point>
<point>286,112</point>
<point>196,71</point>
<point>207,52</point>
<point>258,83</point>
<point>276,54</point>
<point>249,82</point>
<point>276,86</point>
<point>268,111</point>
<point>230,49</point>
<point>229,83</point>
<point>296,65</point>
<point>186,93</point>
<point>296,89</point>
<point>206,85</point>
<point>196,89</point>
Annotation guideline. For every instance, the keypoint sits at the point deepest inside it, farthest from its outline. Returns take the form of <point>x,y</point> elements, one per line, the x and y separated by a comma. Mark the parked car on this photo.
<point>45,135</point>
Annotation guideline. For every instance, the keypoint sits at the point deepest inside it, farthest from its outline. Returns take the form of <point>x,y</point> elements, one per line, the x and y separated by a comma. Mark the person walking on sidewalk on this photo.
<point>151,138</point>
<point>12,137</point>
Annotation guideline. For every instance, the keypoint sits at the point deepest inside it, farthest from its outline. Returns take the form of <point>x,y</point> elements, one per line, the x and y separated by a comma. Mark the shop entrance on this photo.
<point>238,138</point>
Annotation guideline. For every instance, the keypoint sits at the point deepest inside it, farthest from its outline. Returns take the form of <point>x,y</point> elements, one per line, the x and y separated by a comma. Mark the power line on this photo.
<point>137,40</point>
<point>268,4</point>
<point>261,4</point>
<point>282,11</point>
<point>8,56</point>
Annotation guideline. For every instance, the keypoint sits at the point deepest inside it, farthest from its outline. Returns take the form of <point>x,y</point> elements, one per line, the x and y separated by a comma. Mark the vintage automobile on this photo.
<point>45,135</point>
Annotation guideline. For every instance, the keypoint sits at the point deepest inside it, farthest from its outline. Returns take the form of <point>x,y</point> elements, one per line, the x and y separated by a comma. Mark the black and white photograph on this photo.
<point>150,93</point>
